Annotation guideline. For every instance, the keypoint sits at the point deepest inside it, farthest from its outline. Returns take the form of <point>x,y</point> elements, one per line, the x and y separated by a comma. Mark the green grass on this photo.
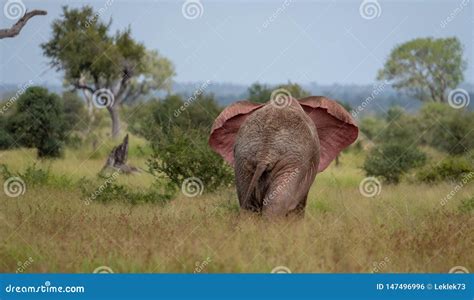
<point>342,230</point>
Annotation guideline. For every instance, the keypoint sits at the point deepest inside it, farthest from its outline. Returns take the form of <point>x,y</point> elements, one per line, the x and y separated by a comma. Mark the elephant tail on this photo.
<point>253,183</point>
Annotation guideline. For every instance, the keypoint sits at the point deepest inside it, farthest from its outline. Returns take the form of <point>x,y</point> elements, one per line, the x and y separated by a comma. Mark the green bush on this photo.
<point>397,149</point>
<point>391,160</point>
<point>447,129</point>
<point>39,122</point>
<point>182,154</point>
<point>6,137</point>
<point>451,168</point>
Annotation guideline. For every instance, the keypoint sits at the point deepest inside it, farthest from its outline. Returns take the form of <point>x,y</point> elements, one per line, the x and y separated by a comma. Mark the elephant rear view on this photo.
<point>277,149</point>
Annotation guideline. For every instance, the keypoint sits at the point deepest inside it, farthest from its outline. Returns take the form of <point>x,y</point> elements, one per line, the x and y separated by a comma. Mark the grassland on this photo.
<point>403,229</point>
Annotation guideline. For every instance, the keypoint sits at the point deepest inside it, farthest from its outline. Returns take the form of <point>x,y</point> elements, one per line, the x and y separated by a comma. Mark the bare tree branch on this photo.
<point>16,28</point>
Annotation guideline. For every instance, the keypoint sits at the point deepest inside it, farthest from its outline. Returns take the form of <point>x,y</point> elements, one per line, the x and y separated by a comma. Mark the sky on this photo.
<point>326,42</point>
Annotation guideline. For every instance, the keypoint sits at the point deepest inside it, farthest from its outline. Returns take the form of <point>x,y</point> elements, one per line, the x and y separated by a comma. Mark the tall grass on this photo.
<point>403,229</point>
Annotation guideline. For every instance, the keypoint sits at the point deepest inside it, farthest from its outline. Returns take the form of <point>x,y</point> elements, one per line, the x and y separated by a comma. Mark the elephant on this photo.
<point>277,149</point>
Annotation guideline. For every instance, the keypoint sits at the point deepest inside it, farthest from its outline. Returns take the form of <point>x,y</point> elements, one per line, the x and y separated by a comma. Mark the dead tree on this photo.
<point>117,159</point>
<point>18,26</point>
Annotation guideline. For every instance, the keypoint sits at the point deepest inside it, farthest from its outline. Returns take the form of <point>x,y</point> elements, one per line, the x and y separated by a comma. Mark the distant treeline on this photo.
<point>226,93</point>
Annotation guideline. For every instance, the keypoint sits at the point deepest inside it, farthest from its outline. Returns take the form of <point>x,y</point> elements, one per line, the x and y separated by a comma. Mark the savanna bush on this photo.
<point>451,168</point>
<point>397,150</point>
<point>178,129</point>
<point>39,122</point>
<point>181,154</point>
<point>447,129</point>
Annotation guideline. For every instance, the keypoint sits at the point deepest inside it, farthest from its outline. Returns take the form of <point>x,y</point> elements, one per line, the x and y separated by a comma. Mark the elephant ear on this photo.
<point>336,127</point>
<point>225,128</point>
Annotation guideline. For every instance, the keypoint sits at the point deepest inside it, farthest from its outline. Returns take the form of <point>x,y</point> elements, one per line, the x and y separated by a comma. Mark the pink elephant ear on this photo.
<point>336,127</point>
<point>225,128</point>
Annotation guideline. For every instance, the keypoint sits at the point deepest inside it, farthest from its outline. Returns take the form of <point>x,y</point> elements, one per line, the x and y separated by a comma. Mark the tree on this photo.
<point>261,93</point>
<point>39,121</point>
<point>18,26</point>
<point>425,67</point>
<point>109,69</point>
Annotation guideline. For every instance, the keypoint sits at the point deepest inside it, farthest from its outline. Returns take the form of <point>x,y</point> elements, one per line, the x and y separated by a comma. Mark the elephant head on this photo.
<point>277,150</point>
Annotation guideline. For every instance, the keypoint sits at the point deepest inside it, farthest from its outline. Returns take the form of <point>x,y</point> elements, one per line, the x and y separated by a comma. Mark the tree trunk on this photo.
<point>117,159</point>
<point>114,115</point>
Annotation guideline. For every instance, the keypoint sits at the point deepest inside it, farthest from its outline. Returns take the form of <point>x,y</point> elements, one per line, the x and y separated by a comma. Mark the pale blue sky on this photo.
<point>308,41</point>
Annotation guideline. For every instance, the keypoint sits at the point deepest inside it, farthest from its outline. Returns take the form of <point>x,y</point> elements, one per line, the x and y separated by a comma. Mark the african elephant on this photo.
<point>277,149</point>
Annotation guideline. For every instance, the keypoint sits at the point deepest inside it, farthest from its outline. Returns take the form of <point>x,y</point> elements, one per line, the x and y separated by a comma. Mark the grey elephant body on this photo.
<point>276,158</point>
<point>277,150</point>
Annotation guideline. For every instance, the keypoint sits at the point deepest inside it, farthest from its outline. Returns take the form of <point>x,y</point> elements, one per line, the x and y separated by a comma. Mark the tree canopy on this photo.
<point>425,67</point>
<point>111,69</point>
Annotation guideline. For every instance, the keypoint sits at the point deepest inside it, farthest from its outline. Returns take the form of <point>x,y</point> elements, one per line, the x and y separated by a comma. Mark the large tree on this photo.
<point>109,69</point>
<point>425,67</point>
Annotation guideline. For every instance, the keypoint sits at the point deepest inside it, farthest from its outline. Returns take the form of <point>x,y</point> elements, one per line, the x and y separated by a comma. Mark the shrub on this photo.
<point>6,137</point>
<point>396,151</point>
<point>181,154</point>
<point>391,160</point>
<point>447,129</point>
<point>39,122</point>
<point>451,168</point>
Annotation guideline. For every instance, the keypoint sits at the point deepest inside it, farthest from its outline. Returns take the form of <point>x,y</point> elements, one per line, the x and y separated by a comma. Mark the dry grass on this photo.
<point>404,229</point>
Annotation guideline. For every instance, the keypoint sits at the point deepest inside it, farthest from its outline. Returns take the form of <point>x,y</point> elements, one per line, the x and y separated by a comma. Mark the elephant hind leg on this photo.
<point>253,186</point>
